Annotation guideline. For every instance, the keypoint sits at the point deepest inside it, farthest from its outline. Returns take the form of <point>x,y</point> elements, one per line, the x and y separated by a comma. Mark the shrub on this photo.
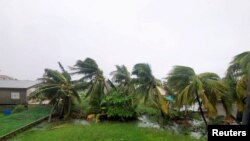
<point>216,120</point>
<point>80,109</point>
<point>117,105</point>
<point>146,110</point>
<point>19,108</point>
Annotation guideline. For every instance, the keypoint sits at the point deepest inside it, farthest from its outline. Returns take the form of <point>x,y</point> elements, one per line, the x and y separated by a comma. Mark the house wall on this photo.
<point>5,96</point>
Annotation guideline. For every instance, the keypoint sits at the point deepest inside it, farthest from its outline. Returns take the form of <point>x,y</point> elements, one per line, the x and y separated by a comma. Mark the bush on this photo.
<point>117,105</point>
<point>80,109</point>
<point>19,108</point>
<point>216,120</point>
<point>146,110</point>
<point>173,114</point>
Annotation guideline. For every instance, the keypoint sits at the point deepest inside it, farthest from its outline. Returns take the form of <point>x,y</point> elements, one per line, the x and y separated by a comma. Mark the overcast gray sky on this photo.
<point>203,34</point>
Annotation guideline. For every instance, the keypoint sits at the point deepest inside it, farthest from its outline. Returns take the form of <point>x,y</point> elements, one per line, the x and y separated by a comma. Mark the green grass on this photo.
<point>99,132</point>
<point>16,120</point>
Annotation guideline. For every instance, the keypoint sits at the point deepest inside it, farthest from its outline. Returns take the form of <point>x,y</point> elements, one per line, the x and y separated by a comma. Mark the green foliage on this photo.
<point>238,77</point>
<point>216,120</point>
<point>121,75</point>
<point>60,90</point>
<point>195,115</point>
<point>123,82</point>
<point>19,108</point>
<point>146,110</point>
<point>148,86</point>
<point>80,110</point>
<point>96,85</point>
<point>175,114</point>
<point>118,105</point>
<point>208,86</point>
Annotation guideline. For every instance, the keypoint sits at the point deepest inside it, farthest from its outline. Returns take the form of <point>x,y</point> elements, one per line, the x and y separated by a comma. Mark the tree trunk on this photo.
<point>246,113</point>
<point>62,112</point>
<point>51,112</point>
<point>239,116</point>
<point>200,108</point>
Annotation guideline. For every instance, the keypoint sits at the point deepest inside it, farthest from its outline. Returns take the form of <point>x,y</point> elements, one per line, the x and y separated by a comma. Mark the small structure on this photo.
<point>14,92</point>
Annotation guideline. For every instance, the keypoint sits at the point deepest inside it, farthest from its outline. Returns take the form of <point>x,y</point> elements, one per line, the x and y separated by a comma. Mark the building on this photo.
<point>15,91</point>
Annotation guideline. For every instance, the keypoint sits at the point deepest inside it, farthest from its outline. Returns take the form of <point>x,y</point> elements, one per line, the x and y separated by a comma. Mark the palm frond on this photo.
<point>179,77</point>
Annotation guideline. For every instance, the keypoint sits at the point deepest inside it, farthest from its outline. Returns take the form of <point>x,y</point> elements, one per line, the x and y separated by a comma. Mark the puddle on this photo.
<point>196,122</point>
<point>145,122</point>
<point>196,135</point>
<point>81,122</point>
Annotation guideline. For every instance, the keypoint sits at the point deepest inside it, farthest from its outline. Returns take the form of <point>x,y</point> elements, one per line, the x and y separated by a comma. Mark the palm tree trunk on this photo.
<point>239,116</point>
<point>200,108</point>
<point>61,113</point>
<point>51,112</point>
<point>246,113</point>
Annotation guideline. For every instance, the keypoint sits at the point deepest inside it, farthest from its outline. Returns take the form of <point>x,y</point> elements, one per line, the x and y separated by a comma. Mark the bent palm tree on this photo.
<point>233,79</point>
<point>121,76</point>
<point>148,85</point>
<point>214,89</point>
<point>242,77</point>
<point>205,89</point>
<point>95,82</point>
<point>58,88</point>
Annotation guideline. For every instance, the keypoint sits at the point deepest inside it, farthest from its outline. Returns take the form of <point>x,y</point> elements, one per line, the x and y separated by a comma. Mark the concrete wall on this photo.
<point>5,96</point>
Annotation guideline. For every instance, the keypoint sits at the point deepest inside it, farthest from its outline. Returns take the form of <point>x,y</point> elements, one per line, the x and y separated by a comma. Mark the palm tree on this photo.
<point>148,85</point>
<point>205,89</point>
<point>96,84</point>
<point>232,79</point>
<point>121,77</point>
<point>60,90</point>
<point>239,70</point>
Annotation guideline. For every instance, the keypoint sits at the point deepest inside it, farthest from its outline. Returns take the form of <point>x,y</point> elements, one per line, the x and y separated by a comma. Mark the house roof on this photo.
<point>17,84</point>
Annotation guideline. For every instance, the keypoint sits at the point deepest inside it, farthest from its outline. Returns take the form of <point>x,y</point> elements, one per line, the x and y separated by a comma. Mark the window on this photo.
<point>15,95</point>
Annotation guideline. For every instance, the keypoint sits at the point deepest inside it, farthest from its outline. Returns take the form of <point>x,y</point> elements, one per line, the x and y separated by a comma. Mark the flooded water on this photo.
<point>80,122</point>
<point>144,121</point>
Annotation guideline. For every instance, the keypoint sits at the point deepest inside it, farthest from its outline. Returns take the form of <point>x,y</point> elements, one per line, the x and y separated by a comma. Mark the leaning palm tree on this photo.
<point>96,84</point>
<point>59,89</point>
<point>148,85</point>
<point>122,78</point>
<point>241,75</point>
<point>233,80</point>
<point>214,88</point>
<point>123,81</point>
<point>205,89</point>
